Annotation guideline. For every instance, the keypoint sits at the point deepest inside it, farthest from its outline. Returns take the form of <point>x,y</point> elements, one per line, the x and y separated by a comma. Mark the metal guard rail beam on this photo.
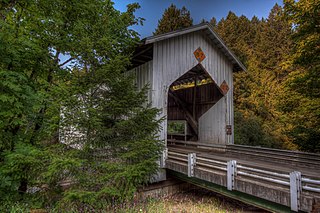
<point>295,182</point>
<point>276,153</point>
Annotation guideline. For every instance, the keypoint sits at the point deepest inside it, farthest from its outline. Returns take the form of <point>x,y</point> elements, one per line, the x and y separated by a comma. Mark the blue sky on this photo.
<point>152,10</point>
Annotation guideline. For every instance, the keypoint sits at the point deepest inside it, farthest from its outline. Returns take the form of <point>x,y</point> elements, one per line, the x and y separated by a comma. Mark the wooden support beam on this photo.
<point>138,60</point>
<point>194,97</point>
<point>147,57</point>
<point>189,117</point>
<point>142,51</point>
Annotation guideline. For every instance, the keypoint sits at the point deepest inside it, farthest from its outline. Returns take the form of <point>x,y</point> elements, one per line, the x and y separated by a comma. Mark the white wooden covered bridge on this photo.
<point>190,75</point>
<point>191,56</point>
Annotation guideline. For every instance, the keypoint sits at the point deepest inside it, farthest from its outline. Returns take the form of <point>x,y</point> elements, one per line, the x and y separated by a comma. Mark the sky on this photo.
<point>152,10</point>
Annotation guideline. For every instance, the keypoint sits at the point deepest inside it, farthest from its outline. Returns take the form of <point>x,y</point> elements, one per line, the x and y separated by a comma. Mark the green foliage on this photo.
<point>263,46</point>
<point>236,33</point>
<point>279,95</point>
<point>274,43</point>
<point>175,127</point>
<point>303,107</point>
<point>20,167</point>
<point>122,129</point>
<point>249,131</point>
<point>173,19</point>
<point>70,57</point>
<point>304,16</point>
<point>16,101</point>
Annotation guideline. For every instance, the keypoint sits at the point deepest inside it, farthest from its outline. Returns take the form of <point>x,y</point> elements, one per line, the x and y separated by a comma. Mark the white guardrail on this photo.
<point>234,170</point>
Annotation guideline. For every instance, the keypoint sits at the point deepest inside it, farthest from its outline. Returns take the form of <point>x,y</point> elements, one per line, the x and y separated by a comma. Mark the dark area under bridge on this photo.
<point>275,180</point>
<point>189,97</point>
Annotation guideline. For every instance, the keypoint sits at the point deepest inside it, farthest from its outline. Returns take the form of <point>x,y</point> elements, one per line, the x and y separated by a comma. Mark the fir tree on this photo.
<point>274,42</point>
<point>213,21</point>
<point>173,19</point>
<point>303,105</point>
<point>263,46</point>
<point>235,32</point>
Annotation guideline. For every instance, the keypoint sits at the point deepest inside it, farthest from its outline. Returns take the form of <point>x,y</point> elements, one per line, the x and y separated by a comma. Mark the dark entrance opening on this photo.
<point>189,97</point>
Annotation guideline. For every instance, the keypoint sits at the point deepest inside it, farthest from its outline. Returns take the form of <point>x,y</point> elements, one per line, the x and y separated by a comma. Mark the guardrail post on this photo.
<point>191,164</point>
<point>163,158</point>
<point>295,190</point>
<point>231,173</point>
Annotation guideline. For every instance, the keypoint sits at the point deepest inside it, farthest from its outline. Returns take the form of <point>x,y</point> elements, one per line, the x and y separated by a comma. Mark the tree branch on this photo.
<point>67,61</point>
<point>56,56</point>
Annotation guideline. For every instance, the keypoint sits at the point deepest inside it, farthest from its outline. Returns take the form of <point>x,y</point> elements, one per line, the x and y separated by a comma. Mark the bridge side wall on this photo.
<point>212,124</point>
<point>171,59</point>
<point>143,76</point>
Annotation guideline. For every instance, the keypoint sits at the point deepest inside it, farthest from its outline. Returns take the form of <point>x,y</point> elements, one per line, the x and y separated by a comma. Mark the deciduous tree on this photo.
<point>71,56</point>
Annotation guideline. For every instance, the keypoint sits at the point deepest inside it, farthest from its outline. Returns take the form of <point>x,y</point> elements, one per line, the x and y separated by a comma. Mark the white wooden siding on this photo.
<point>143,76</point>
<point>212,125</point>
<point>174,57</point>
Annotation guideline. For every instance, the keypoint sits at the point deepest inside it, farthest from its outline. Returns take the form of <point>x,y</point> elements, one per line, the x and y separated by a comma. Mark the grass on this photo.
<point>195,201</point>
<point>186,204</point>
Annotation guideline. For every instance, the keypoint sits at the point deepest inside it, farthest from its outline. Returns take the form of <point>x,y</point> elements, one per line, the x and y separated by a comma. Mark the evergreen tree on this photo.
<point>263,46</point>
<point>274,43</point>
<point>272,46</point>
<point>303,84</point>
<point>203,21</point>
<point>213,21</point>
<point>235,33</point>
<point>173,19</point>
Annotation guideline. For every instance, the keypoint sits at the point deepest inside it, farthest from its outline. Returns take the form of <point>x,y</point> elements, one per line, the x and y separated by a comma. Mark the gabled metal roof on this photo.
<point>208,30</point>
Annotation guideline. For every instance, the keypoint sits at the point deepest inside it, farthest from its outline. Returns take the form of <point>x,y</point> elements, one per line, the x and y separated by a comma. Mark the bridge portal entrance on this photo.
<point>189,97</point>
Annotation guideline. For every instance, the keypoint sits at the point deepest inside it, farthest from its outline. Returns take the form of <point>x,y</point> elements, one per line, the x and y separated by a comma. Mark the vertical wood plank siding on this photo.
<point>172,58</point>
<point>143,76</point>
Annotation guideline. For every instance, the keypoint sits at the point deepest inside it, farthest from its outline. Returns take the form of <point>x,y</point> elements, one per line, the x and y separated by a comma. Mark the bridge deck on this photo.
<point>284,177</point>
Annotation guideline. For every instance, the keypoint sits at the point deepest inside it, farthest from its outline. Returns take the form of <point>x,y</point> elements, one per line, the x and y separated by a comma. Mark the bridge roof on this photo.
<point>146,48</point>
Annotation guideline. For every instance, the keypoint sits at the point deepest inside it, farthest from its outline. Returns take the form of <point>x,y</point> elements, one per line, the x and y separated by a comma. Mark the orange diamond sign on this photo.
<point>199,54</point>
<point>224,87</point>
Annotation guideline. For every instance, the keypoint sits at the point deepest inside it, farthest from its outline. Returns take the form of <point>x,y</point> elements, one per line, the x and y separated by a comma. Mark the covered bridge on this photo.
<point>189,72</point>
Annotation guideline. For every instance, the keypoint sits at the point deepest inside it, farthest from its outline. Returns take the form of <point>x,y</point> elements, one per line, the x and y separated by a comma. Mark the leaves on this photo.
<point>262,45</point>
<point>62,67</point>
<point>278,97</point>
<point>304,105</point>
